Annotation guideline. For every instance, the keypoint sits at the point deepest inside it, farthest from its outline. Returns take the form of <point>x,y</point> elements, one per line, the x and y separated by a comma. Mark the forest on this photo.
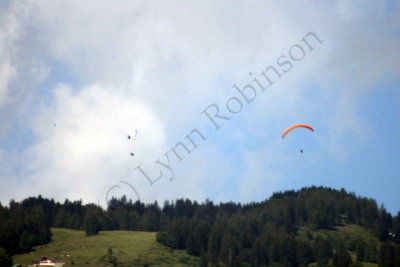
<point>279,231</point>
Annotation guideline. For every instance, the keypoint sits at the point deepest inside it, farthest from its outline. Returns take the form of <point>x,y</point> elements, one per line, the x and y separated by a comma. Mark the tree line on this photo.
<point>256,234</point>
<point>268,233</point>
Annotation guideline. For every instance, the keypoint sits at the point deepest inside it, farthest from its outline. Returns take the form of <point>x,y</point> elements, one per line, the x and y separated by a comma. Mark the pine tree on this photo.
<point>288,250</point>
<point>396,227</point>
<point>386,255</point>
<point>92,226</point>
<point>341,259</point>
<point>227,251</point>
<point>192,245</point>
<point>304,253</point>
<point>214,244</point>
<point>371,253</point>
<point>259,252</point>
<point>5,258</point>
<point>323,251</point>
<point>396,255</point>
<point>25,241</point>
<point>203,261</point>
<point>361,251</point>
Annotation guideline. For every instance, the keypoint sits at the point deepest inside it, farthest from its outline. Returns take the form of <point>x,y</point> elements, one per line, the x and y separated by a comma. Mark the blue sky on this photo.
<point>100,70</point>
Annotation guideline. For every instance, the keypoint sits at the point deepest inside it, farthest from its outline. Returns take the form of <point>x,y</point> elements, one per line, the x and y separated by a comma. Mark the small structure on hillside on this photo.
<point>46,262</point>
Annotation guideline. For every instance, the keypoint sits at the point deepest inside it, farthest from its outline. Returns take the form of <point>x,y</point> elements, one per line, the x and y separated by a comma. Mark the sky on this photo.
<point>77,77</point>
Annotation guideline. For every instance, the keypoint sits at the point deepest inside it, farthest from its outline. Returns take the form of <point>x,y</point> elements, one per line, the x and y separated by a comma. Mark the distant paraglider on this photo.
<point>132,138</point>
<point>291,128</point>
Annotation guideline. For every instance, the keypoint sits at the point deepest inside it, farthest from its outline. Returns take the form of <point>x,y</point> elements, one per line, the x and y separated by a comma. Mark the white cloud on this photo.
<point>7,72</point>
<point>9,33</point>
<point>82,145</point>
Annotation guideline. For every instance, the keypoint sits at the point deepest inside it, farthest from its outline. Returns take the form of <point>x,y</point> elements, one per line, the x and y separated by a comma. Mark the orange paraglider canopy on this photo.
<point>296,126</point>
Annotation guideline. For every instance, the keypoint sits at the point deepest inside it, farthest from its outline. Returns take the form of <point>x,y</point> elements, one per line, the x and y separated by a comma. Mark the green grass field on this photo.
<point>346,233</point>
<point>131,249</point>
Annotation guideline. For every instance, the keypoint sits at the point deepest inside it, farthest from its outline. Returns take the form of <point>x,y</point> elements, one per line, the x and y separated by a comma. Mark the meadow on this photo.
<point>131,248</point>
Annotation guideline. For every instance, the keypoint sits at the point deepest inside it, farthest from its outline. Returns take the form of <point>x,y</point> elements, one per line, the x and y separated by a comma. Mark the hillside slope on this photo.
<point>291,228</point>
<point>131,248</point>
<point>350,235</point>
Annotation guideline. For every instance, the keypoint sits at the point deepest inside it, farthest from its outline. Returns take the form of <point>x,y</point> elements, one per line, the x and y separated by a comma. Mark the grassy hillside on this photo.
<point>347,234</point>
<point>134,248</point>
<point>130,247</point>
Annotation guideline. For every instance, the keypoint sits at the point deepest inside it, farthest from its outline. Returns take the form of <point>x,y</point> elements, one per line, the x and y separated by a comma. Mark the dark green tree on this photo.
<point>386,255</point>
<point>214,244</point>
<point>396,255</point>
<point>304,253</point>
<point>192,245</point>
<point>203,260</point>
<point>371,253</point>
<point>5,258</point>
<point>92,226</point>
<point>361,251</point>
<point>323,250</point>
<point>227,252</point>
<point>341,258</point>
<point>396,228</point>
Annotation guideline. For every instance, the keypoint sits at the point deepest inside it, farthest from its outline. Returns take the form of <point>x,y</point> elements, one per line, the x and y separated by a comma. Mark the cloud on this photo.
<point>7,73</point>
<point>22,65</point>
<point>82,145</point>
<point>8,35</point>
